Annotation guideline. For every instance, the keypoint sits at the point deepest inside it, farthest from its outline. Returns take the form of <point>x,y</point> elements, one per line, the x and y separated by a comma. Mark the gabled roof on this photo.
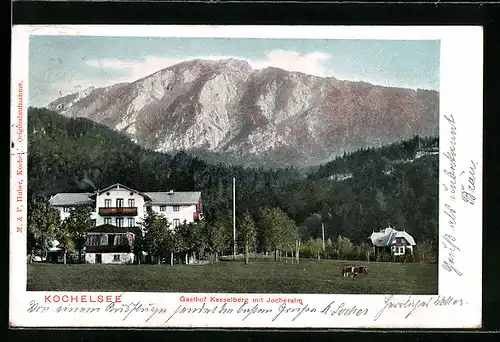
<point>381,238</point>
<point>386,237</point>
<point>63,199</point>
<point>151,198</point>
<point>171,198</point>
<point>407,236</point>
<point>121,186</point>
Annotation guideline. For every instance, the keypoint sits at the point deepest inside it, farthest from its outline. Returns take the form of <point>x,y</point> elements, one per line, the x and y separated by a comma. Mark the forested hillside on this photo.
<point>353,195</point>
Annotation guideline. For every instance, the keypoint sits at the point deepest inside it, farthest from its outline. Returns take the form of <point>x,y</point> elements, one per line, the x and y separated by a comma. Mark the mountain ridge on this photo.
<point>267,116</point>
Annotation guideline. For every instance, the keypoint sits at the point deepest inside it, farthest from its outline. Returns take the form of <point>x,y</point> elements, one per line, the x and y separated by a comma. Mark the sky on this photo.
<point>60,65</point>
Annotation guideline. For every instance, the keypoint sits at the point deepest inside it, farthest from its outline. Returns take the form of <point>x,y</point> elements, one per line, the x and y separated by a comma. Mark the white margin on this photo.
<point>461,96</point>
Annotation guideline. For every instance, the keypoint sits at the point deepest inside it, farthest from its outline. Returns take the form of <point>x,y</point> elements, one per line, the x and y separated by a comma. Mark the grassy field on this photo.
<point>309,276</point>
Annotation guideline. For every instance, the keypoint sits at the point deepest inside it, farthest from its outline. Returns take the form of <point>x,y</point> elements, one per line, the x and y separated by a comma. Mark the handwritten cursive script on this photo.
<point>199,311</point>
<point>245,310</point>
<point>391,303</point>
<point>412,305</point>
<point>450,245</point>
<point>468,191</point>
<point>343,310</point>
<point>127,309</point>
<point>299,310</point>
<point>451,213</point>
<point>451,156</point>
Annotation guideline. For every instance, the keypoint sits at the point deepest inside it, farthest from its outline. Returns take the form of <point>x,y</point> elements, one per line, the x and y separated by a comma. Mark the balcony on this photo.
<point>118,211</point>
<point>108,249</point>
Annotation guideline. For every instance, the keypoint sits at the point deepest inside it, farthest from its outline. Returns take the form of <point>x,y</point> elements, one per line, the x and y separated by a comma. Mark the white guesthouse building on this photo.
<point>117,212</point>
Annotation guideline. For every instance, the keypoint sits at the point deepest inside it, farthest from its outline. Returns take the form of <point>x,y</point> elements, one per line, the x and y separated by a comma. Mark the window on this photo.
<point>131,202</point>
<point>116,257</point>
<point>93,222</point>
<point>121,240</point>
<point>163,207</point>
<point>107,203</point>
<point>107,220</point>
<point>66,209</point>
<point>119,202</point>
<point>176,208</point>
<point>131,222</point>
<point>401,240</point>
<point>177,222</point>
<point>93,240</point>
<point>399,250</point>
<point>111,239</point>
<point>119,222</point>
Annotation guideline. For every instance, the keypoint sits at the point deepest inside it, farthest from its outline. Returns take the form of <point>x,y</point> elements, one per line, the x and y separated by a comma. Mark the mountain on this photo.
<point>266,117</point>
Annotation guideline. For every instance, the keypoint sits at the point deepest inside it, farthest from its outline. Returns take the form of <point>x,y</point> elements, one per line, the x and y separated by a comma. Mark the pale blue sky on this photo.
<point>64,64</point>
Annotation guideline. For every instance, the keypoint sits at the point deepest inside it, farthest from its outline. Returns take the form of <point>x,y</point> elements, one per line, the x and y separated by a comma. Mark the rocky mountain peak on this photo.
<point>269,116</point>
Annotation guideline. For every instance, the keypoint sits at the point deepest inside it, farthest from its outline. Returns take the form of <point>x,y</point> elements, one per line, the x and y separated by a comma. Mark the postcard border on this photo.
<point>455,98</point>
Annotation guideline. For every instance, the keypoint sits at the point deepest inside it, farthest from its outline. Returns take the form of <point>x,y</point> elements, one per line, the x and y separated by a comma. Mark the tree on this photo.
<point>345,247</point>
<point>366,249</point>
<point>158,239</point>
<point>247,233</point>
<point>425,249</point>
<point>138,246</point>
<point>222,236</point>
<point>77,225</point>
<point>43,224</point>
<point>64,236</point>
<point>216,237</point>
<point>198,242</point>
<point>277,230</point>
<point>187,239</point>
<point>208,239</point>
<point>168,242</point>
<point>316,246</point>
<point>297,250</point>
<point>330,250</point>
<point>270,230</point>
<point>313,224</point>
<point>290,237</point>
<point>149,239</point>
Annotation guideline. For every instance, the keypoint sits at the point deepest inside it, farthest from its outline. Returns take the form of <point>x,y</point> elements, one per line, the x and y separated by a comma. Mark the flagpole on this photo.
<point>234,217</point>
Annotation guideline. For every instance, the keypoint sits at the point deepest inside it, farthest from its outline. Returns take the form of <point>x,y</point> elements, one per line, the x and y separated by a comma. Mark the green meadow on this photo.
<point>259,276</point>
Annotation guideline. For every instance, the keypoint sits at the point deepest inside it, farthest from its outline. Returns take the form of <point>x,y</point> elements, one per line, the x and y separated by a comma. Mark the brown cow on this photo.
<point>348,271</point>
<point>360,269</point>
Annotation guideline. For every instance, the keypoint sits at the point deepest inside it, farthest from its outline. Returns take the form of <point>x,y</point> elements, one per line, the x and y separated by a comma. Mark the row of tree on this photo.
<point>272,231</point>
